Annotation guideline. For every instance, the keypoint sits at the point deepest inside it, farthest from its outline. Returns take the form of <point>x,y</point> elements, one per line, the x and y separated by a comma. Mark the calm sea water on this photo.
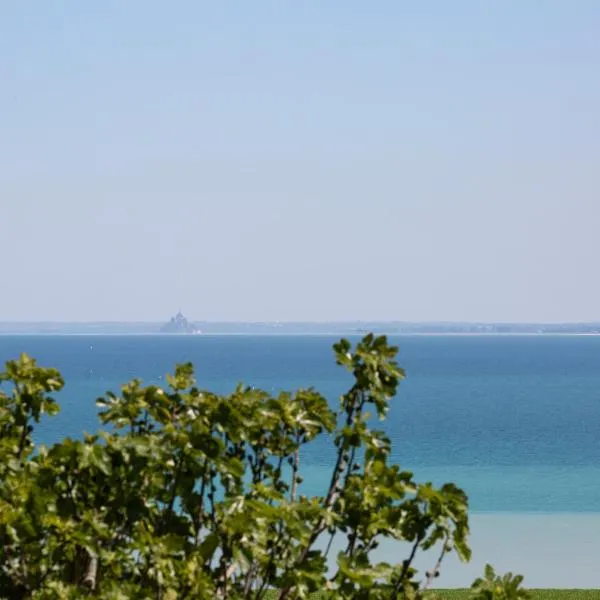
<point>515,420</point>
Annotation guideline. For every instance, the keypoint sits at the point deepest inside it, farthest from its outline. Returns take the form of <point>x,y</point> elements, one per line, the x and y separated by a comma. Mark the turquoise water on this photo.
<point>515,420</point>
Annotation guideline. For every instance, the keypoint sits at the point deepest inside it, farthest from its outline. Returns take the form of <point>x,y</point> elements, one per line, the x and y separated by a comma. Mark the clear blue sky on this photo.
<point>300,160</point>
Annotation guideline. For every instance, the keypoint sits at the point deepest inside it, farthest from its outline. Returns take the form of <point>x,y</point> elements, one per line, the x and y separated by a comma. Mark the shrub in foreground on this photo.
<point>190,494</point>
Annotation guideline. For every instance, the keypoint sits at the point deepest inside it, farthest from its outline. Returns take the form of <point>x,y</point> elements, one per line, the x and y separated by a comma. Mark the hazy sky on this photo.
<point>300,160</point>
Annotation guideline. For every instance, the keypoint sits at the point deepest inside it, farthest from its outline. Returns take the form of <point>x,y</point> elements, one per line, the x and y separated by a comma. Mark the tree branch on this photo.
<point>435,572</point>
<point>295,467</point>
<point>405,567</point>
<point>171,504</point>
<point>91,571</point>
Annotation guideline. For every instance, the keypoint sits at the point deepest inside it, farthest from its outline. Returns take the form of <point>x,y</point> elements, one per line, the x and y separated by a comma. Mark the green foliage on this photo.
<point>495,587</point>
<point>190,494</point>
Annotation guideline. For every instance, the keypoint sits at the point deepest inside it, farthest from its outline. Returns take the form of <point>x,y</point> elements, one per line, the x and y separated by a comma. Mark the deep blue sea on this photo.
<point>515,420</point>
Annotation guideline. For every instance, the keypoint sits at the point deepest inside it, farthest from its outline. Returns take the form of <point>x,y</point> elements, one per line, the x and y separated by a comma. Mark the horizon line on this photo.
<point>303,322</point>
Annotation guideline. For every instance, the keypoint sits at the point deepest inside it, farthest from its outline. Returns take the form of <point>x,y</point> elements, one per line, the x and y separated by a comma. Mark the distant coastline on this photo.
<point>300,328</point>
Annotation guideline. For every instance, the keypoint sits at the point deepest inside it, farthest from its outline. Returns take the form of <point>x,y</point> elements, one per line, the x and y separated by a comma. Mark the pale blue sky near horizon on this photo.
<point>300,160</point>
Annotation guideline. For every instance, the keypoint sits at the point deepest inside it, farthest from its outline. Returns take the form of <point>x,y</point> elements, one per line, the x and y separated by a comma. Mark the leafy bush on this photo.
<point>494,587</point>
<point>190,494</point>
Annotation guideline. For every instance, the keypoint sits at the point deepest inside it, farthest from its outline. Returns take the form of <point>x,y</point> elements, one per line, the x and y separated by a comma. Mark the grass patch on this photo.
<point>539,594</point>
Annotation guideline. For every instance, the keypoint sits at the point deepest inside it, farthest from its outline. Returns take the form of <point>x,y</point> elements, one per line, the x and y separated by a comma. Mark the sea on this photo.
<point>513,419</point>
